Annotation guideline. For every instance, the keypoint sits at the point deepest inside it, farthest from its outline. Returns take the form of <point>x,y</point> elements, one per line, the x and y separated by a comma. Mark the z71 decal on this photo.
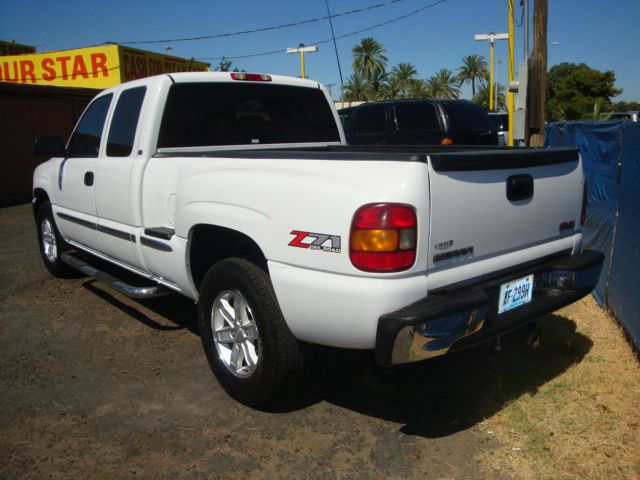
<point>315,241</point>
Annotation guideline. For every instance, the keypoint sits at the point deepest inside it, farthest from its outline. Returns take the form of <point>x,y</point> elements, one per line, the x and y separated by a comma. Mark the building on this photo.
<point>45,94</point>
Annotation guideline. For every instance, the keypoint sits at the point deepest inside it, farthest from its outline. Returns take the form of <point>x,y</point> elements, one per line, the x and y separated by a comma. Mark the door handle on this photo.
<point>88,179</point>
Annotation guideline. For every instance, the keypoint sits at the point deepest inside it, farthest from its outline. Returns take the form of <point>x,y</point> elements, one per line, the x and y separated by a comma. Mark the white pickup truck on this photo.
<point>238,191</point>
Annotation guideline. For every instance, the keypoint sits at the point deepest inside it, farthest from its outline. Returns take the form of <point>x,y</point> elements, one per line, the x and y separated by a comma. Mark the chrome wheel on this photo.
<point>49,247</point>
<point>235,333</point>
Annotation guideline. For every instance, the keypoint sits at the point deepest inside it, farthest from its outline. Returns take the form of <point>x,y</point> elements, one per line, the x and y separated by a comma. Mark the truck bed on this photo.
<point>443,157</point>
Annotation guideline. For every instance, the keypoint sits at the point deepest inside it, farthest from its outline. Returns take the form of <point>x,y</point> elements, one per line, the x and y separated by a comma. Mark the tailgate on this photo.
<point>481,205</point>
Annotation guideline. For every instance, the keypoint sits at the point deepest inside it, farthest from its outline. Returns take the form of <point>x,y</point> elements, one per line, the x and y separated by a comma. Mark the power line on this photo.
<point>262,29</point>
<point>335,47</point>
<point>345,35</point>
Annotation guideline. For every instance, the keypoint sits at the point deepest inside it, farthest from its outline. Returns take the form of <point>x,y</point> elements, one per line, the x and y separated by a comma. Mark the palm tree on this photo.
<point>417,89</point>
<point>482,96</point>
<point>355,89</point>
<point>369,58</point>
<point>376,86</point>
<point>443,85</point>
<point>392,89</point>
<point>403,73</point>
<point>474,68</point>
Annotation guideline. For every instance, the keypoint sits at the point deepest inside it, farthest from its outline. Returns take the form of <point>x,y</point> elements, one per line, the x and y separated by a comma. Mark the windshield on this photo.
<point>209,114</point>
<point>501,120</point>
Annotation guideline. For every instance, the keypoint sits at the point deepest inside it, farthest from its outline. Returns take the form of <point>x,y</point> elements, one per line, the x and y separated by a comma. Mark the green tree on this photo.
<point>442,85</point>
<point>355,89</point>
<point>623,106</point>
<point>403,73</point>
<point>574,90</point>
<point>369,60</point>
<point>472,70</point>
<point>225,66</point>
<point>392,89</point>
<point>482,97</point>
<point>417,89</point>
<point>376,86</point>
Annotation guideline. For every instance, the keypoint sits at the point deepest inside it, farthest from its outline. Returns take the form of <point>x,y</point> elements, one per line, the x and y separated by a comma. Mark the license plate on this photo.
<point>515,293</point>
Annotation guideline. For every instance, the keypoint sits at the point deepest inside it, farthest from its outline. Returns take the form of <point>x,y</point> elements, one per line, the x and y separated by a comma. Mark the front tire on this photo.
<point>51,243</point>
<point>250,348</point>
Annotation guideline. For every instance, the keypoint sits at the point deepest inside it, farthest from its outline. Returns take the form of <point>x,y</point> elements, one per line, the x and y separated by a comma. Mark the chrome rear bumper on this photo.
<point>457,319</point>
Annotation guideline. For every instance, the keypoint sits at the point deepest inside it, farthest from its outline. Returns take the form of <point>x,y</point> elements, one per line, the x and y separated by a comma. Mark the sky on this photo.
<point>604,34</point>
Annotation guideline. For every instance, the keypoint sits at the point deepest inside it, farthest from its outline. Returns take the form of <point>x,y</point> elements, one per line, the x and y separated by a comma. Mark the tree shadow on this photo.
<point>451,393</point>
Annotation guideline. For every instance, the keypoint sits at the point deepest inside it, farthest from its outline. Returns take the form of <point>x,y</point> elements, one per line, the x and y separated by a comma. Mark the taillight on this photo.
<point>383,237</point>
<point>446,141</point>
<point>585,199</point>
<point>251,77</point>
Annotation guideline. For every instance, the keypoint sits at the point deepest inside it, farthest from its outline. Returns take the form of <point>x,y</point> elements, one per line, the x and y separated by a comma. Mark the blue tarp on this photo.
<point>624,287</point>
<point>611,157</point>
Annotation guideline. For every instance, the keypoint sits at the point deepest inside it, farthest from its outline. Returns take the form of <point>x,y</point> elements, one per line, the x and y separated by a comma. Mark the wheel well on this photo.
<point>209,244</point>
<point>39,197</point>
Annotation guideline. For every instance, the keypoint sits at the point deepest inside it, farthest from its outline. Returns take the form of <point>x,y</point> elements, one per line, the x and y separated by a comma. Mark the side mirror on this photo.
<point>49,147</point>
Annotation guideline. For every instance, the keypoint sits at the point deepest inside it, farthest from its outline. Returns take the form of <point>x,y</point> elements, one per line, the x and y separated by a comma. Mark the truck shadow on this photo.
<point>448,394</point>
<point>431,399</point>
<point>172,312</point>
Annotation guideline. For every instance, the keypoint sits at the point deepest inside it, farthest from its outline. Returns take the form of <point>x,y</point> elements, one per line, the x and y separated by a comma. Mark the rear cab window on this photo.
<point>468,117</point>
<point>222,113</point>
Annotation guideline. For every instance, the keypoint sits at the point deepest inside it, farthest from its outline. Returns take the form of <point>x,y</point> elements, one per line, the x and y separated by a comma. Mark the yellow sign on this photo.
<point>92,67</point>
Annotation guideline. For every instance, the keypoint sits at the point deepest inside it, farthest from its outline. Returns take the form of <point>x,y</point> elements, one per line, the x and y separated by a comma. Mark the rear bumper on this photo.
<point>449,321</point>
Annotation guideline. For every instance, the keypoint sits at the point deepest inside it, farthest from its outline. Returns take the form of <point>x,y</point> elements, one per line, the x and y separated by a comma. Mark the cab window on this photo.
<point>417,116</point>
<point>85,140</point>
<point>346,118</point>
<point>124,123</point>
<point>371,119</point>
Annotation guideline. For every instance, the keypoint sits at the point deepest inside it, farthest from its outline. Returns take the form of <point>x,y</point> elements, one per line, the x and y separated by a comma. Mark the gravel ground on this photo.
<point>95,385</point>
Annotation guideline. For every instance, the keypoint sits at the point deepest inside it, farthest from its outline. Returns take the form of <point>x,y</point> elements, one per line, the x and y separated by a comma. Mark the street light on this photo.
<point>301,49</point>
<point>491,37</point>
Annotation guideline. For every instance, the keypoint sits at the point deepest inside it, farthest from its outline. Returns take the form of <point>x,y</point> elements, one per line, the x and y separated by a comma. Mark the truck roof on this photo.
<point>189,77</point>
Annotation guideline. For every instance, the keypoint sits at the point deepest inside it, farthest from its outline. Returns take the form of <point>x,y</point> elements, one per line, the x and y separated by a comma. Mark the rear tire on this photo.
<point>250,348</point>
<point>51,243</point>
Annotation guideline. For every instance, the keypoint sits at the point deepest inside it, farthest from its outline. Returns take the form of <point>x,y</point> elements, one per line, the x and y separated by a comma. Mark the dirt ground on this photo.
<point>95,385</point>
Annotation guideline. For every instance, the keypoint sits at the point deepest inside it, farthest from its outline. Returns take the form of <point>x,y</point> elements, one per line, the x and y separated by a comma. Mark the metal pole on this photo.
<point>496,90</point>
<point>510,95</point>
<point>301,49</point>
<point>491,37</point>
<point>525,4</point>
<point>491,75</point>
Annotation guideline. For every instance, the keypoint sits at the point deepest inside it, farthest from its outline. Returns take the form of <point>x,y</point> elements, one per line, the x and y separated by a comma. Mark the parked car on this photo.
<point>238,191</point>
<point>418,122</point>
<point>501,120</point>
<point>632,115</point>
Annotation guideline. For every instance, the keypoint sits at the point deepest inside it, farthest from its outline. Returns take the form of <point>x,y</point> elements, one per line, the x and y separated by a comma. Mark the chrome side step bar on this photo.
<point>113,282</point>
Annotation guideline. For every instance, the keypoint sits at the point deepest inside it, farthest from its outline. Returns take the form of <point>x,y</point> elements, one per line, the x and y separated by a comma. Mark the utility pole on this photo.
<point>510,94</point>
<point>538,75</point>
<point>491,37</point>
<point>301,49</point>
